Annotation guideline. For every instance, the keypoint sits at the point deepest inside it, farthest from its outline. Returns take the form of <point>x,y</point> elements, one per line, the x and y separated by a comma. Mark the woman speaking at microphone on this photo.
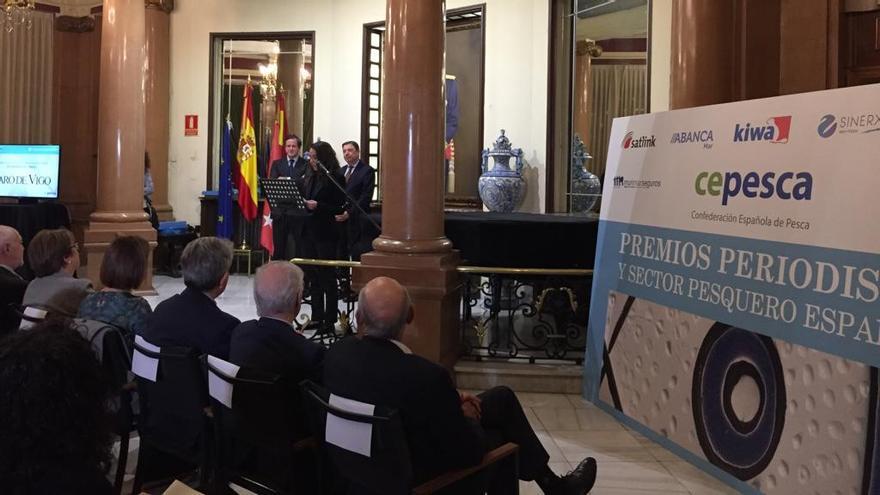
<point>323,200</point>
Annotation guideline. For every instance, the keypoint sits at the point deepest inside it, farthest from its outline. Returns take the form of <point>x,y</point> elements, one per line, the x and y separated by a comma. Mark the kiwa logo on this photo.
<point>776,131</point>
<point>640,142</point>
<point>787,185</point>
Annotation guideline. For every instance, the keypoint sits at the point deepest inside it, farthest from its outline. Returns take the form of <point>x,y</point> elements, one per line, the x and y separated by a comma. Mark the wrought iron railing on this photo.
<point>529,314</point>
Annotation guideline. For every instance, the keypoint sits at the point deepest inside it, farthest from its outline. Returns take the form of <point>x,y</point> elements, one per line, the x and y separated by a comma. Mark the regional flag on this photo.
<point>247,160</point>
<point>276,152</point>
<point>224,198</point>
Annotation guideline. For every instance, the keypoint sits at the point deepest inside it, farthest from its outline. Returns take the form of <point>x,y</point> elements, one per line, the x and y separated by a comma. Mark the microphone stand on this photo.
<point>351,199</point>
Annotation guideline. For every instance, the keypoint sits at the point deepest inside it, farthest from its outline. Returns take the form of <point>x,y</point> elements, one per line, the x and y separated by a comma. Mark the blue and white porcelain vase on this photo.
<point>586,188</point>
<point>501,188</point>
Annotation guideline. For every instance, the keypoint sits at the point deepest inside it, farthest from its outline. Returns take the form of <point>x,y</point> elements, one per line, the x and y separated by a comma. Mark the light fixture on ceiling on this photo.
<point>268,86</point>
<point>17,13</point>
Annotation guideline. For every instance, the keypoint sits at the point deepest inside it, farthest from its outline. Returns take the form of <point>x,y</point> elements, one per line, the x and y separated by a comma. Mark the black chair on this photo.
<point>176,434</point>
<point>260,431</point>
<point>114,355</point>
<point>387,468</point>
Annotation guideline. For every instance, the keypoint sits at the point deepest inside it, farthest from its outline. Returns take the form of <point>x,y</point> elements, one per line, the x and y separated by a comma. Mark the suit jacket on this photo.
<point>273,345</point>
<point>12,288</point>
<point>59,292</point>
<point>360,186</point>
<point>378,372</point>
<point>191,319</point>
<point>281,168</point>
<point>320,224</point>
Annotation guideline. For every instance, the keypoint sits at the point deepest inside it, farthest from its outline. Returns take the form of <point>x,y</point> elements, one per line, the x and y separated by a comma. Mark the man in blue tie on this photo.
<point>291,166</point>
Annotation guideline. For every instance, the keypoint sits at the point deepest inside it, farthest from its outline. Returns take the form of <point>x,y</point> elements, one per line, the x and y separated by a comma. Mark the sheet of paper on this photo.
<point>220,389</point>
<point>145,366</point>
<point>350,435</point>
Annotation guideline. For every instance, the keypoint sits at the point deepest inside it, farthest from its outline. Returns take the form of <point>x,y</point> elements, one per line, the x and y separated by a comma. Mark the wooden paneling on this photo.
<point>75,119</point>
<point>803,46</point>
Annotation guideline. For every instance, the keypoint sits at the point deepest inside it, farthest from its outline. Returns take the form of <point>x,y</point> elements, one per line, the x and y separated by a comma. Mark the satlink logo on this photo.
<point>639,142</point>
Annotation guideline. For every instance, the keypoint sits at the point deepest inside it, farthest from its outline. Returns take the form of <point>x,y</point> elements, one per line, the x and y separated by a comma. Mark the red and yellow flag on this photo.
<point>247,160</point>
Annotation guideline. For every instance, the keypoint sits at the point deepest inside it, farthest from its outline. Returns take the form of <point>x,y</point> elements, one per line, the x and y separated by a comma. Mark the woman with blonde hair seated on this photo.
<point>122,270</point>
<point>54,258</point>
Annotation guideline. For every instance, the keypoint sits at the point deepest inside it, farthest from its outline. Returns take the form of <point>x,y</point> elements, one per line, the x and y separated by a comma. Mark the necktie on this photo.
<point>348,173</point>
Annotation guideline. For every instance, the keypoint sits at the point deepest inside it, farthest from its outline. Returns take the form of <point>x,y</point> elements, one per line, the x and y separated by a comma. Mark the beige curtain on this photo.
<point>617,91</point>
<point>26,58</point>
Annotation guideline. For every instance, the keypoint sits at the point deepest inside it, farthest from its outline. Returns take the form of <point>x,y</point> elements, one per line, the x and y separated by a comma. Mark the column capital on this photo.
<point>164,5</point>
<point>71,24</point>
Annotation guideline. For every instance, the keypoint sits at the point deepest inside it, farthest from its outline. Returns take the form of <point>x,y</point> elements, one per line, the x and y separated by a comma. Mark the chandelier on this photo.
<point>17,12</point>
<point>269,83</point>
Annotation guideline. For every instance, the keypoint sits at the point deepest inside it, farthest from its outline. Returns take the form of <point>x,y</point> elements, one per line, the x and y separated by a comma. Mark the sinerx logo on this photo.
<point>787,185</point>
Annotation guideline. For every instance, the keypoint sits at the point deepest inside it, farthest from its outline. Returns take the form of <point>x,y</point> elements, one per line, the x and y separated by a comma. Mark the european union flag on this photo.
<point>224,198</point>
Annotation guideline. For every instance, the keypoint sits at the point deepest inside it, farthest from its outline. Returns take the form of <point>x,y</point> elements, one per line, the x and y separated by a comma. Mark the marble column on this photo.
<point>119,207</point>
<point>703,69</point>
<point>157,97</point>
<point>413,248</point>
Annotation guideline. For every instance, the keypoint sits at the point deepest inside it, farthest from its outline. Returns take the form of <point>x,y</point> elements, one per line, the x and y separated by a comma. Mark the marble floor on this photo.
<point>569,427</point>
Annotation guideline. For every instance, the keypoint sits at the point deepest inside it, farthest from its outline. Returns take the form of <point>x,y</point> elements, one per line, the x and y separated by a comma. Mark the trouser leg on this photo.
<point>502,412</point>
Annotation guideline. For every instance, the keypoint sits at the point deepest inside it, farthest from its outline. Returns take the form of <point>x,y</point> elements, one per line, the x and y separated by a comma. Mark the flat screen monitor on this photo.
<point>29,170</point>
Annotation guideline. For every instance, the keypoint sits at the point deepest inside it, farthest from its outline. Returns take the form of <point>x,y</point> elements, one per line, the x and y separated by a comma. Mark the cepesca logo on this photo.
<point>786,185</point>
<point>640,142</point>
<point>776,130</point>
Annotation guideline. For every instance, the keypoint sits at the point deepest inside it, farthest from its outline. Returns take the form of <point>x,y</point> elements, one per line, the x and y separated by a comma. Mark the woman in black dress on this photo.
<point>320,235</point>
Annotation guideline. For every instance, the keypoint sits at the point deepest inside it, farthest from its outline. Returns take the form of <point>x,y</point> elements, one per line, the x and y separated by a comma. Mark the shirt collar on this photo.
<point>401,346</point>
<point>11,271</point>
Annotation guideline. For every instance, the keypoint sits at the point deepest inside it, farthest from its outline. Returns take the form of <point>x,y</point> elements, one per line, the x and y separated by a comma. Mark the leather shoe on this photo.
<point>581,479</point>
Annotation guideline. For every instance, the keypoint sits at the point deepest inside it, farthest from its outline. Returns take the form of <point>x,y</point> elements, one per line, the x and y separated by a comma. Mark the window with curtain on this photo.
<point>26,57</point>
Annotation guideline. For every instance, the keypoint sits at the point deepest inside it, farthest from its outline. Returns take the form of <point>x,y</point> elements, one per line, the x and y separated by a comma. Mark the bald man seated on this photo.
<point>445,429</point>
<point>12,286</point>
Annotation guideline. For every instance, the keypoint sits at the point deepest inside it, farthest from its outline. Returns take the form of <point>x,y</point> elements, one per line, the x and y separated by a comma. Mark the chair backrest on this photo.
<point>113,353</point>
<point>172,390</point>
<point>368,449</point>
<point>251,404</point>
<point>32,315</point>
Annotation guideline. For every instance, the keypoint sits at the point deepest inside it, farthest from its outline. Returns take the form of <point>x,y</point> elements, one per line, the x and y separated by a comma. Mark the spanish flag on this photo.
<point>247,160</point>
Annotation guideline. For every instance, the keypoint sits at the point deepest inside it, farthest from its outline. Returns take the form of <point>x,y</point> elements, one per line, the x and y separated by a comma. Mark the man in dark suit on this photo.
<point>192,318</point>
<point>286,223</point>
<point>360,181</point>
<point>271,343</point>
<point>12,286</point>
<point>445,429</point>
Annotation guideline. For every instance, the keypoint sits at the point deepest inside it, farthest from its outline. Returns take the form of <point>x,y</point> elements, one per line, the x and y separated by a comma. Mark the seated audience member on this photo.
<point>192,318</point>
<point>12,286</point>
<point>55,435</point>
<point>54,258</point>
<point>445,429</point>
<point>271,343</point>
<point>122,270</point>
